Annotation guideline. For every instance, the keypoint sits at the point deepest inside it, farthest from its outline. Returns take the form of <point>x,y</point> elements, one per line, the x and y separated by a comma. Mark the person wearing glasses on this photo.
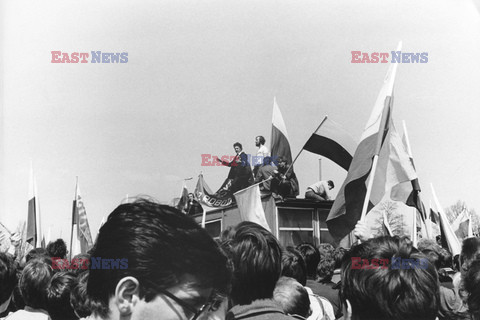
<point>175,269</point>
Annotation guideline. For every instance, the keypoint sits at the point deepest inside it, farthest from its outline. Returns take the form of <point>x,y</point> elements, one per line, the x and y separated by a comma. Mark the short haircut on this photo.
<point>8,276</point>
<point>331,184</point>
<point>267,160</point>
<point>33,283</point>
<point>293,265</point>
<point>292,296</point>
<point>256,258</point>
<point>312,258</point>
<point>35,253</point>
<point>57,249</point>
<point>338,256</point>
<point>58,296</point>
<point>78,296</point>
<point>261,139</point>
<point>471,284</point>
<point>325,269</point>
<point>161,245</point>
<point>238,144</point>
<point>390,293</point>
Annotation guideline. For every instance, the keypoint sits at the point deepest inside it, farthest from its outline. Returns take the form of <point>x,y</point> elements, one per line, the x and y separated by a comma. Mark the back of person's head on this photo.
<point>331,184</point>
<point>470,252</point>
<point>8,276</point>
<point>338,256</point>
<point>78,296</point>
<point>312,258</point>
<point>292,296</point>
<point>58,296</point>
<point>389,293</point>
<point>471,284</point>
<point>57,249</point>
<point>267,161</point>
<point>35,253</point>
<point>256,258</point>
<point>433,257</point>
<point>33,283</point>
<point>160,245</point>
<point>80,262</point>
<point>325,269</point>
<point>293,265</point>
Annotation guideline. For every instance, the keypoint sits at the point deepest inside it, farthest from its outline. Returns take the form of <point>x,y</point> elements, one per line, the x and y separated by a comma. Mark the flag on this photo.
<point>386,225</point>
<point>250,206</point>
<point>82,242</point>
<point>332,141</point>
<point>222,198</point>
<point>414,199</point>
<point>347,208</point>
<point>280,144</point>
<point>33,217</point>
<point>461,225</point>
<point>449,239</point>
<point>183,198</point>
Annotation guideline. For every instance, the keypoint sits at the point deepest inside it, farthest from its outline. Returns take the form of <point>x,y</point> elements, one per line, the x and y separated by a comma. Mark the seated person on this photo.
<point>264,173</point>
<point>284,183</point>
<point>320,190</point>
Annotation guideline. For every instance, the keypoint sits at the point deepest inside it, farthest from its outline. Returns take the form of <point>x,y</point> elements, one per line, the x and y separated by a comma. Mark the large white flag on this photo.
<point>250,206</point>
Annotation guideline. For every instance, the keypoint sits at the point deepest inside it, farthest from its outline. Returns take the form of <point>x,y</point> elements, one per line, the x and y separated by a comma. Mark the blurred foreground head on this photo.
<point>173,266</point>
<point>389,293</point>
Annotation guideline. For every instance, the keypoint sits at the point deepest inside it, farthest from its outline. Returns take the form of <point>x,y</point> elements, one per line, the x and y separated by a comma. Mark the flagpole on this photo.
<point>429,227</point>
<point>414,228</point>
<point>291,166</point>
<point>73,216</point>
<point>255,184</point>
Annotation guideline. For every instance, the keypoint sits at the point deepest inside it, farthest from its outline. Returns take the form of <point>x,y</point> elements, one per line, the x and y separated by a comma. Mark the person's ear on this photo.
<point>127,295</point>
<point>347,310</point>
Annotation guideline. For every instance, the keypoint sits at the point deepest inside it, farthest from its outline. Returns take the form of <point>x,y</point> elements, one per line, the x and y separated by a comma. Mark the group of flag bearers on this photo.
<point>379,167</point>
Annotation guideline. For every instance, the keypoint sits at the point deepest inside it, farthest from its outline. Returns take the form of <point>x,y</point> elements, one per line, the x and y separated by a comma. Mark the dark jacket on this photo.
<point>258,310</point>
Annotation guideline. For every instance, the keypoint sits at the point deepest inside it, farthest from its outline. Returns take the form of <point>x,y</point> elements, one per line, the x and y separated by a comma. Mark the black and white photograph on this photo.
<point>230,160</point>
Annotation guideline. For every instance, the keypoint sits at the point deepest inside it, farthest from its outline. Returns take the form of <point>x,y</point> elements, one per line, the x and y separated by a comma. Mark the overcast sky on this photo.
<point>202,75</point>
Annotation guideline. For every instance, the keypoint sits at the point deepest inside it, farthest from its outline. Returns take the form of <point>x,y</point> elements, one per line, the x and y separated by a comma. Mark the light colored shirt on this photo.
<point>321,188</point>
<point>28,314</point>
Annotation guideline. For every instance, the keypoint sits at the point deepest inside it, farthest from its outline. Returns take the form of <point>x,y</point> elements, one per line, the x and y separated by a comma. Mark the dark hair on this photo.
<point>8,276</point>
<point>470,252</point>
<point>256,258</point>
<point>390,293</point>
<point>78,297</point>
<point>292,296</point>
<point>338,256</point>
<point>35,253</point>
<point>331,184</point>
<point>471,284</point>
<point>261,139</point>
<point>312,258</point>
<point>58,296</point>
<point>293,265</point>
<point>57,249</point>
<point>238,144</point>
<point>267,160</point>
<point>161,244</point>
<point>33,283</point>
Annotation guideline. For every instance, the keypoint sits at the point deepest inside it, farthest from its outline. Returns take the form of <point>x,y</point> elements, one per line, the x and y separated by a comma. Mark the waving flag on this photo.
<point>250,206</point>
<point>280,144</point>
<point>332,141</point>
<point>222,198</point>
<point>183,199</point>
<point>347,208</point>
<point>82,242</point>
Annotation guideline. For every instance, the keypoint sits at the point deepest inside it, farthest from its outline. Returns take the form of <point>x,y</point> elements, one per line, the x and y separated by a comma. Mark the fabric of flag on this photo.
<point>333,142</point>
<point>222,198</point>
<point>183,199</point>
<point>461,224</point>
<point>347,208</point>
<point>32,232</point>
<point>280,144</point>
<point>84,235</point>
<point>449,239</point>
<point>250,206</point>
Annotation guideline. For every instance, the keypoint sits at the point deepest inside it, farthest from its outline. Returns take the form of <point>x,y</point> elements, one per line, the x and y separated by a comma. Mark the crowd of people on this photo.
<point>170,268</point>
